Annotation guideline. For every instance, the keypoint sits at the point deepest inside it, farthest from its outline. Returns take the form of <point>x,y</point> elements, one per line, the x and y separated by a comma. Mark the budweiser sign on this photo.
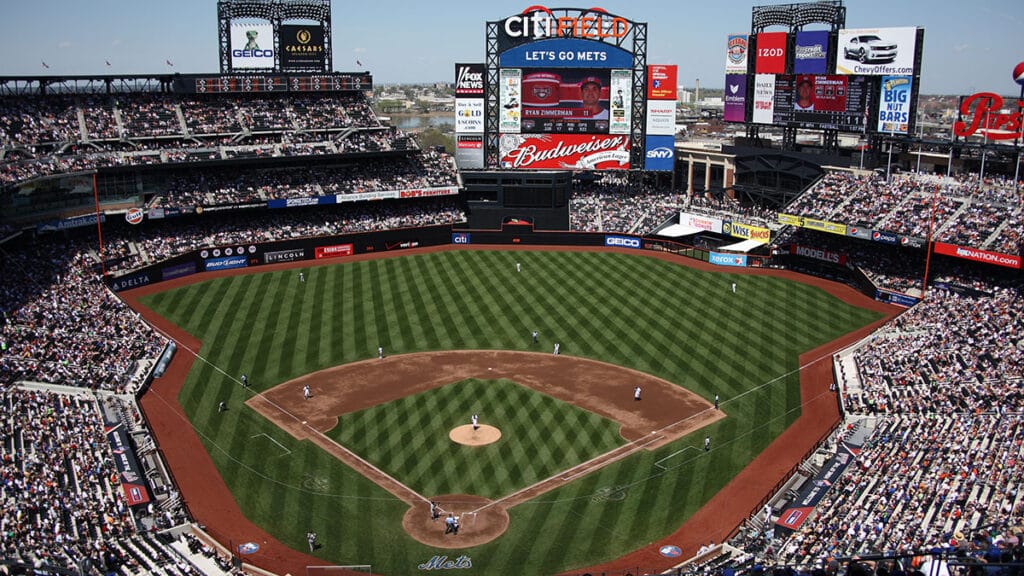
<point>561,151</point>
<point>985,112</point>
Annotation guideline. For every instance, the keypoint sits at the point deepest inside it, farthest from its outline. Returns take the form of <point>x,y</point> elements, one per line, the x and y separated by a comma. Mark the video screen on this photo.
<point>821,101</point>
<point>561,101</point>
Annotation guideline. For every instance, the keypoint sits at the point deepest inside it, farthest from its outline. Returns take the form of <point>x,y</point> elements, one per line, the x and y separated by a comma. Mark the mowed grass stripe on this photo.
<point>682,325</point>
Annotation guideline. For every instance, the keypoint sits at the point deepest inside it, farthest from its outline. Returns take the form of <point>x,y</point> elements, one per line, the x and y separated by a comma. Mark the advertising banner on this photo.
<point>178,270</point>
<point>736,54</point>
<point>68,223</point>
<point>621,101</point>
<point>295,202</point>
<point>428,192</point>
<point>856,232</point>
<point>225,263</point>
<point>747,232</point>
<point>660,155</point>
<point>577,101</point>
<point>566,53</point>
<point>912,241</point>
<point>302,47</point>
<point>977,255</point>
<point>824,226</point>
<point>661,81</point>
<point>469,115</point>
<point>791,220</point>
<point>333,251</point>
<point>877,51</point>
<point>811,52</point>
<point>363,196</point>
<point>622,241</point>
<point>129,473</point>
<point>709,223</point>
<point>564,151</point>
<point>895,298</point>
<point>771,53</point>
<point>894,104</point>
<point>462,238</point>
<point>510,95</point>
<point>817,254</point>
<point>469,80</point>
<point>884,237</point>
<point>252,46</point>
<point>661,117</point>
<point>722,259</point>
<point>469,151</point>
<point>284,255</point>
<point>791,518</point>
<point>735,98</point>
<point>129,282</point>
<point>764,99</point>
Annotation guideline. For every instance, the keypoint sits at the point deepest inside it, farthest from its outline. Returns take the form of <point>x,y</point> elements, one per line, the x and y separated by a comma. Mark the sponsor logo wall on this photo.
<point>811,52</point>
<point>736,54</point>
<point>894,104</point>
<point>771,53</point>
<point>735,98</point>
<point>877,51</point>
<point>302,47</point>
<point>252,45</point>
<point>562,151</point>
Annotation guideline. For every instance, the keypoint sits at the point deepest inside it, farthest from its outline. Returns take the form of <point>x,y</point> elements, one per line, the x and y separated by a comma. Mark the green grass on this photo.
<point>671,321</point>
<point>540,437</point>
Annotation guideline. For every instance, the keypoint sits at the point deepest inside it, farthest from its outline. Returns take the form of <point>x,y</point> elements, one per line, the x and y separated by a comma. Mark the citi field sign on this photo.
<point>539,22</point>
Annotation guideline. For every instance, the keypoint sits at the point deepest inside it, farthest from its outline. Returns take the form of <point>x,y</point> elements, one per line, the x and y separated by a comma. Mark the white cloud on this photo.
<point>357,50</point>
<point>962,47</point>
<point>64,44</point>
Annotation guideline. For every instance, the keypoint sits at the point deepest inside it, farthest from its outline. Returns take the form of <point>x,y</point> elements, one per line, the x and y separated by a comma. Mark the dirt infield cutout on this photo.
<point>482,436</point>
<point>667,412</point>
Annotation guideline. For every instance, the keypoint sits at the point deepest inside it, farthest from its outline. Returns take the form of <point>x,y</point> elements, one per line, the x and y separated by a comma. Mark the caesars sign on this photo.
<point>302,47</point>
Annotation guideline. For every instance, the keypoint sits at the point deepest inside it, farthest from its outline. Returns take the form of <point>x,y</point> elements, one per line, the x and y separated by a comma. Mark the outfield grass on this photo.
<point>671,321</point>
<point>541,436</point>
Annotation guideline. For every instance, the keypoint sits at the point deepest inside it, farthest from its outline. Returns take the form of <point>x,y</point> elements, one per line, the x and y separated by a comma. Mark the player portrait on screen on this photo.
<point>804,94</point>
<point>590,95</point>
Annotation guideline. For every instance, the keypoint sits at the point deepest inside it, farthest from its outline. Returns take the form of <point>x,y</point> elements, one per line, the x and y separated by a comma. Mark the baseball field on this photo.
<point>574,473</point>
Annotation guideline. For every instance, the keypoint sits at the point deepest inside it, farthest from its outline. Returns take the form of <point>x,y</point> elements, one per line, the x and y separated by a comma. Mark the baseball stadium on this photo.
<point>251,326</point>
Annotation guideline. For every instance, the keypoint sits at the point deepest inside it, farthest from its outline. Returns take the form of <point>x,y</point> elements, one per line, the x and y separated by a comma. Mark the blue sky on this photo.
<point>969,46</point>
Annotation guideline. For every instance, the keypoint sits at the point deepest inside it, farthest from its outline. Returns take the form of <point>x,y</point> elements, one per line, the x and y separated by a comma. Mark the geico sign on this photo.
<point>621,241</point>
<point>252,53</point>
<point>661,152</point>
<point>539,22</point>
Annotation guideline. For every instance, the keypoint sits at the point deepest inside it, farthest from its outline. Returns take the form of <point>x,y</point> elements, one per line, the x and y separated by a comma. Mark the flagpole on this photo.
<point>984,152</point>
<point>928,255</point>
<point>99,227</point>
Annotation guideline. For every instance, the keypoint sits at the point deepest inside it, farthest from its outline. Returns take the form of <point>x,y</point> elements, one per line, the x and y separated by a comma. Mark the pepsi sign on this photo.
<point>884,237</point>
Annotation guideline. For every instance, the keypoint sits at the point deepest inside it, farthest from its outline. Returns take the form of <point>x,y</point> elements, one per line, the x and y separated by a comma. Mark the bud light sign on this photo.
<point>226,263</point>
<point>660,154</point>
<point>622,241</point>
<point>461,238</point>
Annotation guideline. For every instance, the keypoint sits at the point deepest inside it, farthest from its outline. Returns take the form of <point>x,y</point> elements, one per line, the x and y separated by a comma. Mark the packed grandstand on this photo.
<point>934,397</point>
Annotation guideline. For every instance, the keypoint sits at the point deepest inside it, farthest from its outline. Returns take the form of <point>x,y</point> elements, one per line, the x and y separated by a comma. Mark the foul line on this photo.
<point>672,455</point>
<point>268,437</point>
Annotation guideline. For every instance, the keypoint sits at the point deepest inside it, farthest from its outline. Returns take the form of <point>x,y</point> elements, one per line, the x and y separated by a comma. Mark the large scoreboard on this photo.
<point>834,102</point>
<point>261,83</point>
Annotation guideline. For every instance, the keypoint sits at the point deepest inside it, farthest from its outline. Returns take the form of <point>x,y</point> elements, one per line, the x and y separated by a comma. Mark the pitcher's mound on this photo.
<point>482,436</point>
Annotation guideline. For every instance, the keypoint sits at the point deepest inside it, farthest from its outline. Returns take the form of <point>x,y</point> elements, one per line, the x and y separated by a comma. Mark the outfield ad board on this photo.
<point>771,53</point>
<point>818,254</point>
<point>622,242</point>
<point>735,98</point>
<point>876,51</point>
<point>661,81</point>
<point>302,47</point>
<point>894,104</point>
<point>252,46</point>
<point>225,263</point>
<point>736,54</point>
<point>747,232</point>
<point>564,151</point>
<point>811,52</point>
<point>724,259</point>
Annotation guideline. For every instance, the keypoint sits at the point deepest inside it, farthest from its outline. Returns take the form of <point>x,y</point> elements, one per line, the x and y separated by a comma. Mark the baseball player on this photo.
<point>435,511</point>
<point>302,277</point>
<point>311,538</point>
<point>519,267</point>
<point>636,393</point>
<point>476,422</point>
<point>305,392</point>
<point>707,443</point>
<point>380,352</point>
<point>557,347</point>
<point>535,334</point>
<point>449,523</point>
<point>733,287</point>
<point>716,401</point>
<point>245,381</point>
<point>222,406</point>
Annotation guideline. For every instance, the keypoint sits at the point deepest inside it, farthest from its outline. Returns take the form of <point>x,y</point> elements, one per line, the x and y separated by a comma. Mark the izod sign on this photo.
<point>770,57</point>
<point>539,22</point>
<point>982,111</point>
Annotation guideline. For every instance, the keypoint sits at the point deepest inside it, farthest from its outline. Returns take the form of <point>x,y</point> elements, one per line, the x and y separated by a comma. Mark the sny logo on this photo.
<point>660,152</point>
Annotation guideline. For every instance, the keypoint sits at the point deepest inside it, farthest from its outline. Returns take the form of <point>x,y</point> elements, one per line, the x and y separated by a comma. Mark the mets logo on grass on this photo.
<point>443,563</point>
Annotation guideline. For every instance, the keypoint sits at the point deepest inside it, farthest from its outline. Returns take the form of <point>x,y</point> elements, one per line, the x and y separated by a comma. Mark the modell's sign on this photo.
<point>565,151</point>
<point>537,22</point>
<point>983,111</point>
